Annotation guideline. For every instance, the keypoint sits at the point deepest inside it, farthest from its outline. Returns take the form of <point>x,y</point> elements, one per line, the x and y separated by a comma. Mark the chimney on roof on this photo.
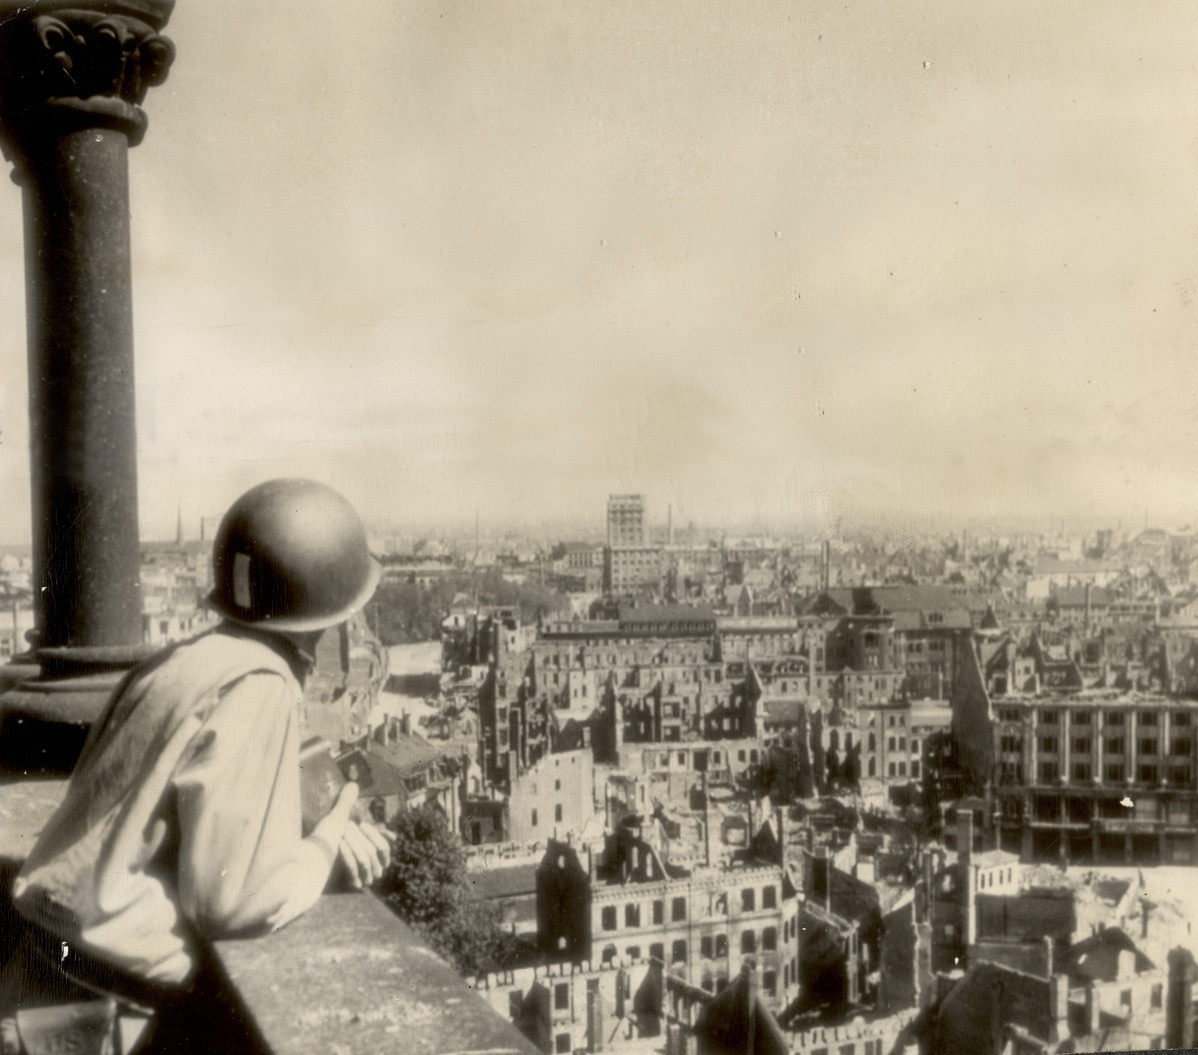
<point>1058,1006</point>
<point>1179,1001</point>
<point>968,879</point>
<point>1093,1009</point>
<point>929,882</point>
<point>964,836</point>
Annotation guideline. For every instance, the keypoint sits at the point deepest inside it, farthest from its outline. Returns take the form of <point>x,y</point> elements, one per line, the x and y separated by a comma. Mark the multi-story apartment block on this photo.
<point>625,520</point>
<point>651,676</point>
<point>703,925</point>
<point>567,1007</point>
<point>552,798</point>
<point>1098,774</point>
<point>923,630</point>
<point>628,569</point>
<point>630,563</point>
<point>894,735</point>
<point>756,638</point>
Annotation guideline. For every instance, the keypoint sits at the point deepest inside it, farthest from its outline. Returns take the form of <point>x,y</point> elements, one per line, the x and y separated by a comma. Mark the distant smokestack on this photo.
<point>669,525</point>
<point>826,571</point>
<point>965,862</point>
<point>1179,1002</point>
<point>1093,1010</point>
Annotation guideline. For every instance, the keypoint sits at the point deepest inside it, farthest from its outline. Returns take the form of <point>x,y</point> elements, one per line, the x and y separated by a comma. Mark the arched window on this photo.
<point>748,942</point>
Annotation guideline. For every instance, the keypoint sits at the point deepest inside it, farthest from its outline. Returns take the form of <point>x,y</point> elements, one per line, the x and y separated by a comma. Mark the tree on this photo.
<point>818,764</point>
<point>850,768</point>
<point>426,886</point>
<point>832,762</point>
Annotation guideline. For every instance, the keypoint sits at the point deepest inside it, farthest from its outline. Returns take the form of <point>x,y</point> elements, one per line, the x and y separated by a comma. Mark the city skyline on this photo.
<point>808,264</point>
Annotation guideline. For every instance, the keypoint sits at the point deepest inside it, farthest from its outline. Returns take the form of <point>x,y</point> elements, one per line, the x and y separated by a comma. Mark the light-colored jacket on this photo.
<point>182,817</point>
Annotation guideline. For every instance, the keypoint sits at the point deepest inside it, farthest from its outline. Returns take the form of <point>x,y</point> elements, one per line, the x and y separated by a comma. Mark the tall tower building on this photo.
<point>625,520</point>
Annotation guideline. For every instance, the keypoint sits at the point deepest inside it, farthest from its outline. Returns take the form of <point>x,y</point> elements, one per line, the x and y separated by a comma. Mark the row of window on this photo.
<point>986,880</point>
<point>1146,773</point>
<point>1180,719</point>
<point>557,814</point>
<point>710,947</point>
<point>1112,745</point>
<point>609,916</point>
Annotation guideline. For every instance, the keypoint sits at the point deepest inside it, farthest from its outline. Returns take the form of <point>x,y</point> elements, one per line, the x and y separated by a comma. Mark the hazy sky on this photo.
<point>756,258</point>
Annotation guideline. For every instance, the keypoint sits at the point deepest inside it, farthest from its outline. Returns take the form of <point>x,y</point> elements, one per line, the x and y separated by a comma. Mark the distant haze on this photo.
<point>786,261</point>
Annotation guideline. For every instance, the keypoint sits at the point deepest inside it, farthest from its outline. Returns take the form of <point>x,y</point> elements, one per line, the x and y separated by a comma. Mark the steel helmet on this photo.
<point>291,554</point>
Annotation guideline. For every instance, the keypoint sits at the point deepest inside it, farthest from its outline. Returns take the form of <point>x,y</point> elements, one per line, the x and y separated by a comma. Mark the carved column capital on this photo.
<point>72,64</point>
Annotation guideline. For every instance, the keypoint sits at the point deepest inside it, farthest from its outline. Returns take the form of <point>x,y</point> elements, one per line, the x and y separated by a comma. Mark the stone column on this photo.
<point>72,76</point>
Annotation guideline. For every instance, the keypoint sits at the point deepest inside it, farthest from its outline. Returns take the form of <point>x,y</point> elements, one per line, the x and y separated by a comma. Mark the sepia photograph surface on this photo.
<point>573,527</point>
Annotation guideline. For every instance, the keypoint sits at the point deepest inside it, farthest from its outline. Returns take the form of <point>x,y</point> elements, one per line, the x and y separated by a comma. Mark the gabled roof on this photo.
<point>786,710</point>
<point>407,753</point>
<point>971,1018</point>
<point>913,607</point>
<point>1097,957</point>
<point>493,883</point>
<point>1075,597</point>
<point>666,613</point>
<point>735,1021</point>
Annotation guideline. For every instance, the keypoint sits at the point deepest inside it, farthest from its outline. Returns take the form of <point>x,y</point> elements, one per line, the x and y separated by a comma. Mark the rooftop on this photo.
<point>665,613</point>
<point>1097,957</point>
<point>1106,698</point>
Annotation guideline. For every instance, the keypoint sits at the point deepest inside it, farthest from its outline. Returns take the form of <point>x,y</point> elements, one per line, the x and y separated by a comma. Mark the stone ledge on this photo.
<point>347,977</point>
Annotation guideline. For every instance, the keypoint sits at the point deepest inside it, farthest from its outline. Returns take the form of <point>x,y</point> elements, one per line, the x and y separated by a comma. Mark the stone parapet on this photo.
<point>346,977</point>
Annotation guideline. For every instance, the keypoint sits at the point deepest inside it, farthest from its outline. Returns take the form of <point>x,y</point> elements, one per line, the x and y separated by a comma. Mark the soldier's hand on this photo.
<point>330,828</point>
<point>364,852</point>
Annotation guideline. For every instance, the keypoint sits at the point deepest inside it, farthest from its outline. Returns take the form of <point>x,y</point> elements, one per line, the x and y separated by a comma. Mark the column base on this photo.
<point>47,708</point>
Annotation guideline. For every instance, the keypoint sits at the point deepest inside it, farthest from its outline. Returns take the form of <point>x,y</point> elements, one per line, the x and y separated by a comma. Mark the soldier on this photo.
<point>182,820</point>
